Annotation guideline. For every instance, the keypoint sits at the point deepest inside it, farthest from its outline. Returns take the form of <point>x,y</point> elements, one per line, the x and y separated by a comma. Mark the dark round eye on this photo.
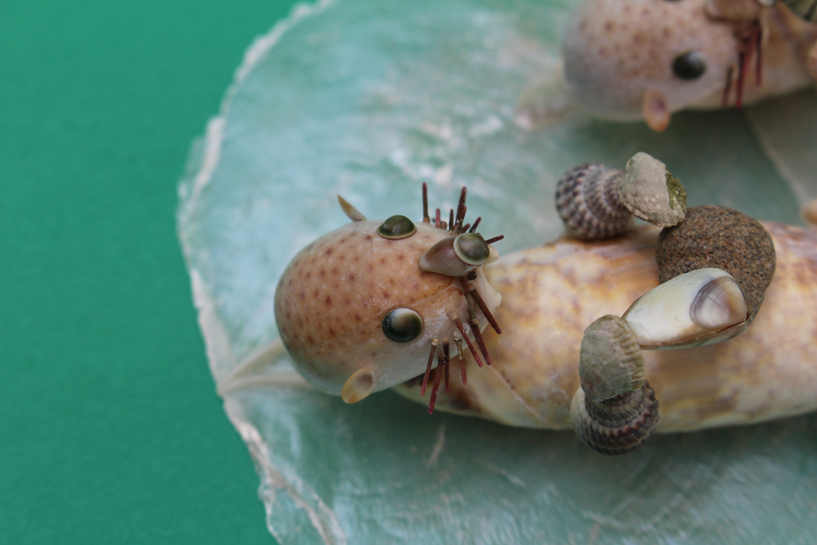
<point>472,248</point>
<point>689,65</point>
<point>402,325</point>
<point>396,227</point>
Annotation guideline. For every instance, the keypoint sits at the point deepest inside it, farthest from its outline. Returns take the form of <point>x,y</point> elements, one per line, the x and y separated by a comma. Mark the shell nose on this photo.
<point>359,385</point>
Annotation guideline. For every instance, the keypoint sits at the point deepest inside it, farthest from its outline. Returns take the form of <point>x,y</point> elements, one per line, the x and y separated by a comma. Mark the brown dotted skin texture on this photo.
<point>331,300</point>
<point>550,295</point>
<point>616,50</point>
<point>715,236</point>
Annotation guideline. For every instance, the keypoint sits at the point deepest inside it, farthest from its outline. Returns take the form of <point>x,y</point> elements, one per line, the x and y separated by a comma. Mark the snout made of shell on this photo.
<point>596,201</point>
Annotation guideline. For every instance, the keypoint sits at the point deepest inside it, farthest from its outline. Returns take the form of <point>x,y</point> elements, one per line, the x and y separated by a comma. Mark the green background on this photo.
<point>110,429</point>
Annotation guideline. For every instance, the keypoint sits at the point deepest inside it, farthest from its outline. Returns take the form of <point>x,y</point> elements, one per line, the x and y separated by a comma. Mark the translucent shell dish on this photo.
<point>368,99</point>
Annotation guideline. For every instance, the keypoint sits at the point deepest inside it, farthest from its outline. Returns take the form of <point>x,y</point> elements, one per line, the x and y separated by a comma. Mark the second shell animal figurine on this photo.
<point>645,59</point>
<point>396,304</point>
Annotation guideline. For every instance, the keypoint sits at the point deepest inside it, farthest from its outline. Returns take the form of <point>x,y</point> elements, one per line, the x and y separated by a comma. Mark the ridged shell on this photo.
<point>588,203</point>
<point>615,426</point>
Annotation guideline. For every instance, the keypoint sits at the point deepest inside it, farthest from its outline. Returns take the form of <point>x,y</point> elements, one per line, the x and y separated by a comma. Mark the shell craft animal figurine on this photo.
<point>354,320</point>
<point>713,338</point>
<point>644,59</point>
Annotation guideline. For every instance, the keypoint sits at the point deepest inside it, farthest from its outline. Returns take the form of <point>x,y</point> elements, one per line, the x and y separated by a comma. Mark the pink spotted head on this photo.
<point>375,303</point>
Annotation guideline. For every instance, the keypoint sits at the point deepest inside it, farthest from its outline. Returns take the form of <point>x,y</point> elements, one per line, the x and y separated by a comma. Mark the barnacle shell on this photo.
<point>615,426</point>
<point>692,309</point>
<point>715,236</point>
<point>596,201</point>
<point>587,201</point>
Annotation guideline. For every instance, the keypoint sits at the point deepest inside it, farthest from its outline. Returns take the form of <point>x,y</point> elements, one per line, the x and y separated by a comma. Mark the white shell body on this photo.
<point>552,293</point>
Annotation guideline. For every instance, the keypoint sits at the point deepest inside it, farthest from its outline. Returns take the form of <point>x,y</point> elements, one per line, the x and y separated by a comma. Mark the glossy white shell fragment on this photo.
<point>700,307</point>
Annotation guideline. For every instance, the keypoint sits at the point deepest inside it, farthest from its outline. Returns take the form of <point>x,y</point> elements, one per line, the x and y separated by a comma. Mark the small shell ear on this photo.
<point>656,111</point>
<point>610,360</point>
<point>359,385</point>
<point>351,212</point>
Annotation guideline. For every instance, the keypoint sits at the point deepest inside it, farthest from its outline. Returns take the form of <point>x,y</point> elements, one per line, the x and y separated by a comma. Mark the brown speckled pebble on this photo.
<point>715,236</point>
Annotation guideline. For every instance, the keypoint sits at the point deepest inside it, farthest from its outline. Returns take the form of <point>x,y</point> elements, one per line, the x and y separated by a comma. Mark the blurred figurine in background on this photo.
<point>588,332</point>
<point>644,59</point>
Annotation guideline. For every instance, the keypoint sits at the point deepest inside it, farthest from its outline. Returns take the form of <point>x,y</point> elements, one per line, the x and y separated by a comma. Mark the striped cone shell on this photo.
<point>588,203</point>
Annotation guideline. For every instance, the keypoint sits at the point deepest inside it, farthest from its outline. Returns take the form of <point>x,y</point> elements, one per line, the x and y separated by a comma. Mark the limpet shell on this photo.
<point>610,360</point>
<point>651,193</point>
<point>615,426</point>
